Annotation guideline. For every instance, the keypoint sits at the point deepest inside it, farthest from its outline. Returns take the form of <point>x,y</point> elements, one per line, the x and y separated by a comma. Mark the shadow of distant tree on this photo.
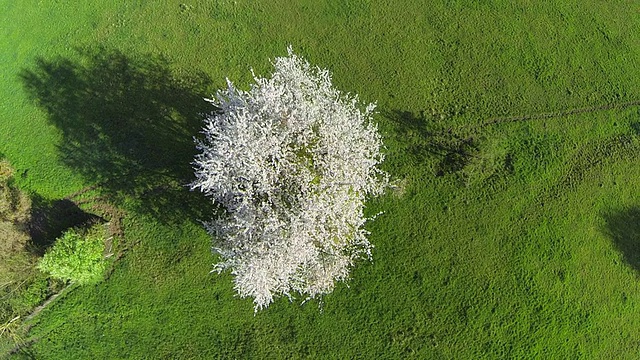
<point>423,141</point>
<point>624,229</point>
<point>127,126</point>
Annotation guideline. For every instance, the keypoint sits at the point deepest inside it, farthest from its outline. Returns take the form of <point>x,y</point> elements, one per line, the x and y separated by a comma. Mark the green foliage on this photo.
<point>76,256</point>
<point>537,260</point>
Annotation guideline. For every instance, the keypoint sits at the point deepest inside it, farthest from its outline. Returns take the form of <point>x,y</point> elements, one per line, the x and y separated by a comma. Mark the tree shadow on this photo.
<point>128,125</point>
<point>623,227</point>
<point>49,219</point>
<point>423,140</point>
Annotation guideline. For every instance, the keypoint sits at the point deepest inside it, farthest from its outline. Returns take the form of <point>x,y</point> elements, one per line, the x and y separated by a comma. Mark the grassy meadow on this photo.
<point>512,130</point>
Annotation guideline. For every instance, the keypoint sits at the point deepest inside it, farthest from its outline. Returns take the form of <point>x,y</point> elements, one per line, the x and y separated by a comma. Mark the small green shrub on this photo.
<point>76,256</point>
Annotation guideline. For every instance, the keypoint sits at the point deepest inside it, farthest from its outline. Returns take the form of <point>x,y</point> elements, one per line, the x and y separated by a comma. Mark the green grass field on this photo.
<point>512,128</point>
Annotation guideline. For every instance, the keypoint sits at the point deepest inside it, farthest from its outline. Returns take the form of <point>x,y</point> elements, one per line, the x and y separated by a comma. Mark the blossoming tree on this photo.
<point>292,161</point>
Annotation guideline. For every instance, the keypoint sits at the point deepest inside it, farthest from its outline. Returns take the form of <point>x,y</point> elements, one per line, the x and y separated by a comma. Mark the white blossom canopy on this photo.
<point>292,161</point>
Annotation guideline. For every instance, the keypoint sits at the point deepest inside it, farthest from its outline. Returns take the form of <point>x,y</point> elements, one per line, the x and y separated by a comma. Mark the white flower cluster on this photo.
<point>292,161</point>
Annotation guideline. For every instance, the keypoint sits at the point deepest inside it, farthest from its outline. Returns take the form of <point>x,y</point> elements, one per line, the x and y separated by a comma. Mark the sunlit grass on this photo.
<point>508,239</point>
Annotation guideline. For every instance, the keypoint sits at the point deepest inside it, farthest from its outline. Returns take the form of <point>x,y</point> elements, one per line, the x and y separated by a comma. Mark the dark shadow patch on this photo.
<point>623,227</point>
<point>635,127</point>
<point>50,219</point>
<point>128,125</point>
<point>425,142</point>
